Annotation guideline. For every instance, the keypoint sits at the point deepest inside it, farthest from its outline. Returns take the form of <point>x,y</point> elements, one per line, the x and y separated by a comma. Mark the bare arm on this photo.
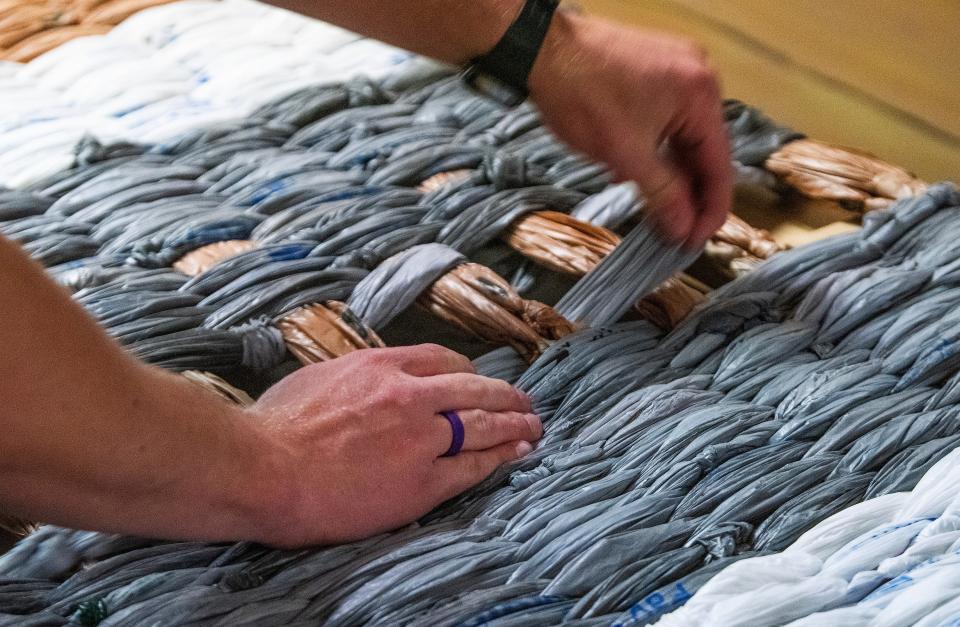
<point>645,103</point>
<point>92,438</point>
<point>448,30</point>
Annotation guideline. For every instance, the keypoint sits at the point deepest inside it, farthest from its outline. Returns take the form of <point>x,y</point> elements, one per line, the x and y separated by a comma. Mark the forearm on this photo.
<point>646,104</point>
<point>447,30</point>
<point>454,32</point>
<point>93,438</point>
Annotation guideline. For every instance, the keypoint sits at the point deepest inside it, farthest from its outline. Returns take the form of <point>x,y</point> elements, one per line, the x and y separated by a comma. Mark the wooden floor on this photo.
<point>880,75</point>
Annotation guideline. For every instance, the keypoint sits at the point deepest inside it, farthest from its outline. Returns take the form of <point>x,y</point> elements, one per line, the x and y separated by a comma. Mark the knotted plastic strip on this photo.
<point>262,344</point>
<point>29,29</point>
<point>573,246</point>
<point>397,282</point>
<point>672,301</point>
<point>473,298</point>
<point>437,181</point>
<point>662,458</point>
<point>12,528</point>
<point>202,259</point>
<point>560,242</point>
<point>218,386</point>
<point>567,245</point>
<point>856,179</point>
<point>738,247</point>
<point>325,331</point>
<point>853,178</point>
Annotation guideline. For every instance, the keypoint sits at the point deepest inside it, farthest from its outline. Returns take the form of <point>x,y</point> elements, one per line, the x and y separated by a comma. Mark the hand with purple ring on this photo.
<point>361,445</point>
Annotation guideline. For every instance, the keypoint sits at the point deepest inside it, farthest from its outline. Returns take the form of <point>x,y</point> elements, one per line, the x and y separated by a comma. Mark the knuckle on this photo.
<point>375,358</point>
<point>404,395</point>
<point>352,358</point>
<point>439,357</point>
<point>465,364</point>
<point>447,356</point>
<point>430,476</point>
<point>702,79</point>
<point>313,370</point>
<point>442,353</point>
<point>516,425</point>
<point>483,423</point>
<point>397,391</point>
<point>530,427</point>
<point>433,349</point>
<point>501,389</point>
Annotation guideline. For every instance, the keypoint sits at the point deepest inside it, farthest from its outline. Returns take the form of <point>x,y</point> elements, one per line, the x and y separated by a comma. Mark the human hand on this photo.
<point>358,440</point>
<point>647,105</point>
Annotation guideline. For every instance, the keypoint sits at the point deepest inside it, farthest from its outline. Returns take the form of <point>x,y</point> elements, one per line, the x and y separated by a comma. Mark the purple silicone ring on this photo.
<point>457,426</point>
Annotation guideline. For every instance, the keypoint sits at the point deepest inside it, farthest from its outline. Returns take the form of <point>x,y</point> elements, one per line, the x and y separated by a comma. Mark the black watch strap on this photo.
<point>512,59</point>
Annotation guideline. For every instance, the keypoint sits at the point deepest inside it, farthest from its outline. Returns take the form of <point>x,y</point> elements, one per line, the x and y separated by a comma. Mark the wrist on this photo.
<point>499,15</point>
<point>264,495</point>
<point>230,482</point>
<point>558,54</point>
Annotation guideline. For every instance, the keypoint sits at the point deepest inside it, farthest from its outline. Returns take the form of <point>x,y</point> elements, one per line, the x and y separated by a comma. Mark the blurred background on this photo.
<point>879,75</point>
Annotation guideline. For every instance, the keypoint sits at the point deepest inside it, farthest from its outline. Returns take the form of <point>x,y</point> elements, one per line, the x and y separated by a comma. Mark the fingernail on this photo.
<point>523,448</point>
<point>536,425</point>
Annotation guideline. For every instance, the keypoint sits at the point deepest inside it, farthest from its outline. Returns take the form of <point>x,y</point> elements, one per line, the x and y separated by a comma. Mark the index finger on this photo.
<point>706,150</point>
<point>471,391</point>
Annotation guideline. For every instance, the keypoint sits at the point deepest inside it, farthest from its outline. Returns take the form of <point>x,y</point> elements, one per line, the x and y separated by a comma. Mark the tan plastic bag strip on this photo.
<point>26,21</point>
<point>30,28</point>
<point>851,177</point>
<point>47,40</point>
<point>567,245</point>
<point>437,181</point>
<point>477,300</point>
<point>218,386</point>
<point>559,242</point>
<point>672,301</point>
<point>753,241</point>
<point>738,247</point>
<point>202,259</point>
<point>570,246</point>
<point>321,332</point>
<point>114,12</point>
<point>14,528</point>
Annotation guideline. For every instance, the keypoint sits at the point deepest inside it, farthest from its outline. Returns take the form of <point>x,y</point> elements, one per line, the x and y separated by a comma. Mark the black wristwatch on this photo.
<point>502,73</point>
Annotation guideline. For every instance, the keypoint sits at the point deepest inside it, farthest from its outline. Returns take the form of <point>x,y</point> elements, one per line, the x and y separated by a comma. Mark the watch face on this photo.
<point>493,88</point>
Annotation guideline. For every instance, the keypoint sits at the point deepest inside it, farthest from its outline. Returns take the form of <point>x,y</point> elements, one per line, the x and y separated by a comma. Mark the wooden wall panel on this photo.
<point>749,43</point>
<point>905,54</point>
